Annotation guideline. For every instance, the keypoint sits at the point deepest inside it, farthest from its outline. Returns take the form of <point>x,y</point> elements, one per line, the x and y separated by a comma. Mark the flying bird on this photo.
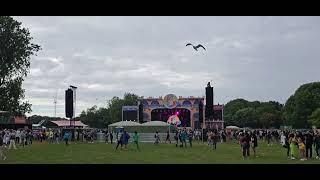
<point>196,47</point>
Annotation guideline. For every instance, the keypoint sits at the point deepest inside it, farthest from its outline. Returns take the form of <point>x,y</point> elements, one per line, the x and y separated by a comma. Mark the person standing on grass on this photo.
<point>157,138</point>
<point>269,138</point>
<point>292,142</point>
<point>111,137</point>
<point>301,149</point>
<point>309,143</point>
<point>12,140</point>
<point>136,139</point>
<point>190,135</point>
<point>317,144</point>
<point>66,137</point>
<point>176,138</point>
<point>254,142</point>
<point>107,137</point>
<point>119,139</point>
<point>214,139</point>
<point>56,136</point>
<point>184,137</point>
<point>125,139</point>
<point>2,146</point>
<point>168,137</point>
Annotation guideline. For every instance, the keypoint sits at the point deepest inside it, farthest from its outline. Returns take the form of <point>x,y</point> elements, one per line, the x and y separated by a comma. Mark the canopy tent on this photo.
<point>125,123</point>
<point>155,123</point>
<point>129,126</point>
<point>232,127</point>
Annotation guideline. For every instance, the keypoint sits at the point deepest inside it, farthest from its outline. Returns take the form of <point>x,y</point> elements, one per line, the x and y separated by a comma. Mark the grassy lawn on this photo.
<point>98,153</point>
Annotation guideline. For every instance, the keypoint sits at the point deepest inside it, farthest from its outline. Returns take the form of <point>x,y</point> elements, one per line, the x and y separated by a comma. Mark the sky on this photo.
<point>255,58</point>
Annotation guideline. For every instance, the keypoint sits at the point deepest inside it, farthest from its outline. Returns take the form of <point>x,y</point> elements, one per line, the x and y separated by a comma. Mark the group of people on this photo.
<point>246,140</point>
<point>303,142</point>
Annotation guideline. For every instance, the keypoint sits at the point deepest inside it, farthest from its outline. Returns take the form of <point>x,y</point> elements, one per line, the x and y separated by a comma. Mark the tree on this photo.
<point>302,104</point>
<point>102,117</point>
<point>314,119</point>
<point>246,117</point>
<point>232,107</point>
<point>16,49</point>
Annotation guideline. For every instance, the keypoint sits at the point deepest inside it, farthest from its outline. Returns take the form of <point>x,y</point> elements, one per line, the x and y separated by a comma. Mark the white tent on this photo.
<point>155,123</point>
<point>125,123</point>
<point>232,127</point>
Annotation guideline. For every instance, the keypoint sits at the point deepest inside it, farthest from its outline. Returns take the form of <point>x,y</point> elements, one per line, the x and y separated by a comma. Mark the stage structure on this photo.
<point>181,111</point>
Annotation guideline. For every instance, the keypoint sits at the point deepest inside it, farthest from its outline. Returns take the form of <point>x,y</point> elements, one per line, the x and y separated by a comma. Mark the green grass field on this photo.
<point>101,153</point>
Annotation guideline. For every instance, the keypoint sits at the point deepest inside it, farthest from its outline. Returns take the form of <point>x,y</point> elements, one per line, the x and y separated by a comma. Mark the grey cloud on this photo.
<point>258,58</point>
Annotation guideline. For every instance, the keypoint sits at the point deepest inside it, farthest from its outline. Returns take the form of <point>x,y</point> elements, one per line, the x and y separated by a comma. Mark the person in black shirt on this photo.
<point>254,143</point>
<point>168,137</point>
<point>111,137</point>
<point>317,144</point>
<point>309,143</point>
<point>190,135</point>
<point>269,137</point>
<point>176,137</point>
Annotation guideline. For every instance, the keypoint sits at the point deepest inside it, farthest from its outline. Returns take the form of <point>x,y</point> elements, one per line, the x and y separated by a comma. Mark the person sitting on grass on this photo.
<point>136,139</point>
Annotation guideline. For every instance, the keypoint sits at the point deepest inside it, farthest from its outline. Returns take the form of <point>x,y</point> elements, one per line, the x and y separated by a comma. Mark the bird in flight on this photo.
<point>196,47</point>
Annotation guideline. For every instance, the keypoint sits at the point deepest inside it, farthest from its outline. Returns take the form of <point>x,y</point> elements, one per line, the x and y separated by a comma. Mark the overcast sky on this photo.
<point>256,58</point>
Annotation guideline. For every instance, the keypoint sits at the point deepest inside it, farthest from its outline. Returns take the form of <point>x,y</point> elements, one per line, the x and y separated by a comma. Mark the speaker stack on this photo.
<point>69,103</point>
<point>140,113</point>
<point>209,102</point>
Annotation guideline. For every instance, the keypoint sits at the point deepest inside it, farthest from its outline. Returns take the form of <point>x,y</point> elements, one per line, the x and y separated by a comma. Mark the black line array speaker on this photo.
<point>200,112</point>
<point>209,102</point>
<point>140,113</point>
<point>69,103</point>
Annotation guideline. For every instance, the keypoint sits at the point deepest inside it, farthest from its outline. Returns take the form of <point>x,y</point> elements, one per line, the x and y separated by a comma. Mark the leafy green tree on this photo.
<point>246,117</point>
<point>16,49</point>
<point>314,118</point>
<point>301,105</point>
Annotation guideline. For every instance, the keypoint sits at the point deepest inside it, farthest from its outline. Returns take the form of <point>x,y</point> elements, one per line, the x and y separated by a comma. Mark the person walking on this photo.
<point>125,139</point>
<point>136,139</point>
<point>168,137</point>
<point>119,139</point>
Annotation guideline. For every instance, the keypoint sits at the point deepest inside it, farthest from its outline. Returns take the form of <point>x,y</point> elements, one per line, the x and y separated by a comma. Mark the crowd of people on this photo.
<point>298,144</point>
